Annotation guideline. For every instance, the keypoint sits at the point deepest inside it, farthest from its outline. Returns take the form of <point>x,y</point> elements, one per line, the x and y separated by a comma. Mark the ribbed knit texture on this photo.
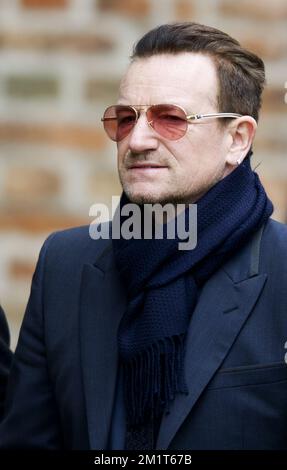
<point>162,285</point>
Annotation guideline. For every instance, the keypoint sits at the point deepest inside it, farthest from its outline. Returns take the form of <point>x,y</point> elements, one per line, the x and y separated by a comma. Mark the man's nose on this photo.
<point>143,137</point>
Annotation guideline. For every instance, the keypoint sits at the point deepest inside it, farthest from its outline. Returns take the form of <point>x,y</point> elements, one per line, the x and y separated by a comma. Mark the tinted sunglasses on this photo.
<point>168,120</point>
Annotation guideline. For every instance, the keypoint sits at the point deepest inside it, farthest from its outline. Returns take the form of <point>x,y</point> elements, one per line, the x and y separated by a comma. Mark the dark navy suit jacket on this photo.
<point>63,381</point>
<point>5,358</point>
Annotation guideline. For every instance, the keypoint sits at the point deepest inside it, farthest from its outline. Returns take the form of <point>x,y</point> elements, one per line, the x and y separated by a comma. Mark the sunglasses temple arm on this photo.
<point>196,117</point>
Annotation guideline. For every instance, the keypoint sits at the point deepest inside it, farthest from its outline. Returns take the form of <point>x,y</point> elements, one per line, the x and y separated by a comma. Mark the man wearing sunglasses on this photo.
<point>132,343</point>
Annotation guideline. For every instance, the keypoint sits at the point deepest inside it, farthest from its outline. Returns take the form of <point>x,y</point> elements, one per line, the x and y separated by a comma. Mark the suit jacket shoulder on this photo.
<point>273,251</point>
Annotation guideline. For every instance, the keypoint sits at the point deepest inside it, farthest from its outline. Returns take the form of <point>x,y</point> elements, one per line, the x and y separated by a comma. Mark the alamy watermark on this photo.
<point>156,221</point>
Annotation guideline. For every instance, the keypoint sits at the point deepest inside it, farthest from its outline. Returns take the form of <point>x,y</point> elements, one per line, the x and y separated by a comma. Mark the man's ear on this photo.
<point>241,134</point>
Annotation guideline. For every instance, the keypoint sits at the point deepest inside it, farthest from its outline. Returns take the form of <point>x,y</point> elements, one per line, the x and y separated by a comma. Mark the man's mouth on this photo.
<point>145,166</point>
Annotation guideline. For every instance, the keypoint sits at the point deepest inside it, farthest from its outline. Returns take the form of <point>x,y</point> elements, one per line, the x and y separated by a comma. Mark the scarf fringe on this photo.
<point>152,379</point>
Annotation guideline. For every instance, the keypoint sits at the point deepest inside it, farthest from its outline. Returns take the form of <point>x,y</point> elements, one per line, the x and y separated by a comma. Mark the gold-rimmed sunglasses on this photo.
<point>168,120</point>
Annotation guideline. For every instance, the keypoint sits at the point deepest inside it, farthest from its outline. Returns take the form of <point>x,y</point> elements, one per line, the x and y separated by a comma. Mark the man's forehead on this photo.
<point>172,74</point>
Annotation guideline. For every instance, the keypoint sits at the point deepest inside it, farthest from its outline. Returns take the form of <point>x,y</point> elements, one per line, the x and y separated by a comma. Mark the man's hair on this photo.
<point>240,73</point>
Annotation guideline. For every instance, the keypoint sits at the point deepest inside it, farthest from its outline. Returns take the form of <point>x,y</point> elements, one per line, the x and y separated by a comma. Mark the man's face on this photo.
<point>187,167</point>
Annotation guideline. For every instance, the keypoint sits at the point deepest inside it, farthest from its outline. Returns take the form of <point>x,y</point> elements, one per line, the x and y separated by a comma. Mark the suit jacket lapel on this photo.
<point>102,306</point>
<point>224,305</point>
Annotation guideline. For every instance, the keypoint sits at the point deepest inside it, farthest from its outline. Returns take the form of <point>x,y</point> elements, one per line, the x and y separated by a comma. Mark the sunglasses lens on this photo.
<point>168,120</point>
<point>119,121</point>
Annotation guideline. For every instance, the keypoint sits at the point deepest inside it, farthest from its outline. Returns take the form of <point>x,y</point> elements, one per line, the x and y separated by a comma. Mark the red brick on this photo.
<point>44,3</point>
<point>38,222</point>
<point>21,270</point>
<point>267,144</point>
<point>30,184</point>
<point>258,10</point>
<point>270,48</point>
<point>273,100</point>
<point>90,43</point>
<point>90,138</point>
<point>184,10</point>
<point>277,192</point>
<point>135,8</point>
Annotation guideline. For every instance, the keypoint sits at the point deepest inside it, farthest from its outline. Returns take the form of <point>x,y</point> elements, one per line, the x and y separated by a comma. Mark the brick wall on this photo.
<point>60,65</point>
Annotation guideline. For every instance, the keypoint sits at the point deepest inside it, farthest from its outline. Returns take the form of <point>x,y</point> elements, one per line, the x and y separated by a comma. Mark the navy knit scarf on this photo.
<point>162,284</point>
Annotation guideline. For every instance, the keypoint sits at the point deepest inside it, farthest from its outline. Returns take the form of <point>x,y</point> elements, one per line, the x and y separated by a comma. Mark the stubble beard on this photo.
<point>165,197</point>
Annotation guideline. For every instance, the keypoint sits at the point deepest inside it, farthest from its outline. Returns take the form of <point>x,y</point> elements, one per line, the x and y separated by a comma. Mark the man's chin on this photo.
<point>143,197</point>
<point>151,198</point>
